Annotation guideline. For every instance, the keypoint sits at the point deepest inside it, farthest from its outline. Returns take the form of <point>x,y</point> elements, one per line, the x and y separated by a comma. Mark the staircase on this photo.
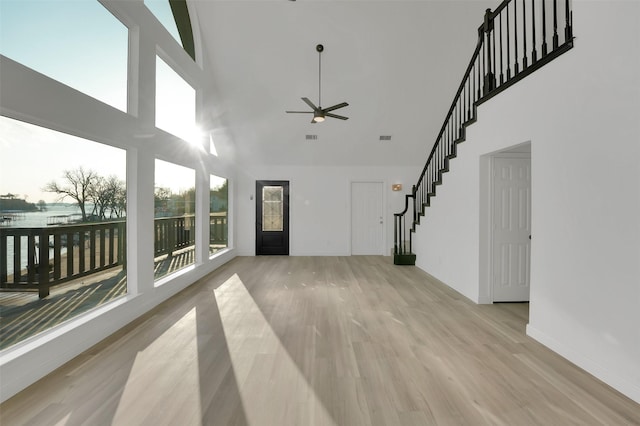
<point>515,40</point>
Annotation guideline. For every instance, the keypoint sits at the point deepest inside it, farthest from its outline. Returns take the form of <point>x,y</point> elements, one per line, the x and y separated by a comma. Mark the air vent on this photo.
<point>311,137</point>
<point>385,137</point>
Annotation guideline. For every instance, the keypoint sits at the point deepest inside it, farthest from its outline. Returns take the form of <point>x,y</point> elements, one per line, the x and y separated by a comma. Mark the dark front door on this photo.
<point>272,217</point>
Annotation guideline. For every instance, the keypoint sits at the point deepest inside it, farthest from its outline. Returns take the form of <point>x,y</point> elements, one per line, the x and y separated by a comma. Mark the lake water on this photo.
<point>34,220</point>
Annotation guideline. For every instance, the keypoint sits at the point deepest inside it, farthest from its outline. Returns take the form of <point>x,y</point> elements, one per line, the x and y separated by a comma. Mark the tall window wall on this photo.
<point>67,142</point>
<point>174,227</point>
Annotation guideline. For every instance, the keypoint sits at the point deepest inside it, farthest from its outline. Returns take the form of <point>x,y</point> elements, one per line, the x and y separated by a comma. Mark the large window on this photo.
<point>175,218</point>
<point>218,214</point>
<point>62,228</point>
<point>78,43</point>
<point>175,104</point>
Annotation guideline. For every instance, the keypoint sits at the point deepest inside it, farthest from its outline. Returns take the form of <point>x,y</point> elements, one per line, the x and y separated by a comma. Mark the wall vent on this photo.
<point>311,137</point>
<point>385,137</point>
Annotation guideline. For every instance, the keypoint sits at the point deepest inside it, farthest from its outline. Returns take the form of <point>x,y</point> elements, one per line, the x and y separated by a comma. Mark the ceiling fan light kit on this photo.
<point>319,113</point>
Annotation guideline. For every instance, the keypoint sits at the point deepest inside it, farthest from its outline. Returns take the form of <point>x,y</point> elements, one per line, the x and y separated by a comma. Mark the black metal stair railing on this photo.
<point>515,39</point>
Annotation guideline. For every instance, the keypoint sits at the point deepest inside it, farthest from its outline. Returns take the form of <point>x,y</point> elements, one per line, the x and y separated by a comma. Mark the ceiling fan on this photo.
<point>318,112</point>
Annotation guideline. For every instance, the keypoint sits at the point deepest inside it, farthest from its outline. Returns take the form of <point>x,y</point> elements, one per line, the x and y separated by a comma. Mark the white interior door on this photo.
<point>511,229</point>
<point>367,218</point>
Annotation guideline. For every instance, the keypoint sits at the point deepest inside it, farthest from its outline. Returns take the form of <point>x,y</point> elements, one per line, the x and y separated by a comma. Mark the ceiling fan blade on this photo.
<point>299,112</point>
<point>331,108</point>
<point>308,102</point>
<point>341,117</point>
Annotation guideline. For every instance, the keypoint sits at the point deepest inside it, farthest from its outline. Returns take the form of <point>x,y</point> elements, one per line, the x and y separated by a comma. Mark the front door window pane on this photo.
<point>272,208</point>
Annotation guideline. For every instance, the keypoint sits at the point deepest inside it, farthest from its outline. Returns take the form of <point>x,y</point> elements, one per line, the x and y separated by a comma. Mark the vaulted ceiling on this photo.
<point>397,64</point>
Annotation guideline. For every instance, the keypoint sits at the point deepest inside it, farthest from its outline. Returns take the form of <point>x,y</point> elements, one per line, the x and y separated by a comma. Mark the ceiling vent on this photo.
<point>385,137</point>
<point>311,137</point>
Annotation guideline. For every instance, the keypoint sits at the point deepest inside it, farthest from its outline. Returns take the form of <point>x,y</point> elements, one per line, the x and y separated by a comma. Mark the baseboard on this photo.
<point>433,278</point>
<point>621,384</point>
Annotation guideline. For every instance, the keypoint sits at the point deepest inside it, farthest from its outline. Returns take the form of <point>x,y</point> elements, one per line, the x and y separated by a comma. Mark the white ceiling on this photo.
<point>397,64</point>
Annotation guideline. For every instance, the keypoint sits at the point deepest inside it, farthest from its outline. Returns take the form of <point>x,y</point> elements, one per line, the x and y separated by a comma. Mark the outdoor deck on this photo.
<point>25,314</point>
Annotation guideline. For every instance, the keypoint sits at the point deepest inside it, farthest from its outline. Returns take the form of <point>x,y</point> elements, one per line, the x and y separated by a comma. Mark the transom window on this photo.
<point>78,43</point>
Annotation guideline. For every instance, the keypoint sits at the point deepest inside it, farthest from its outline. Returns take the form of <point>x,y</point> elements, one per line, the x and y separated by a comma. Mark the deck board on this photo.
<point>23,314</point>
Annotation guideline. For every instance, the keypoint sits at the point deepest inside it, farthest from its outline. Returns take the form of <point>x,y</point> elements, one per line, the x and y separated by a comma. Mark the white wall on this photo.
<point>582,116</point>
<point>320,215</point>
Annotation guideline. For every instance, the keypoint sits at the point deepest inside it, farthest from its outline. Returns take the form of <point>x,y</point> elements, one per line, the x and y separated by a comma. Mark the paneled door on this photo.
<point>272,217</point>
<point>367,218</point>
<point>511,229</point>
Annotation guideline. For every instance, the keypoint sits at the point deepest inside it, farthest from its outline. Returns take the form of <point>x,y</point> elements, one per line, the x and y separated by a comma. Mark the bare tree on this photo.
<point>119,207</point>
<point>161,200</point>
<point>108,196</point>
<point>77,185</point>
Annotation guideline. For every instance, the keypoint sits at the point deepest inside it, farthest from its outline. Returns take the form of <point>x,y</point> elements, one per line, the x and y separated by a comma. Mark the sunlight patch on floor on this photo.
<point>272,388</point>
<point>151,376</point>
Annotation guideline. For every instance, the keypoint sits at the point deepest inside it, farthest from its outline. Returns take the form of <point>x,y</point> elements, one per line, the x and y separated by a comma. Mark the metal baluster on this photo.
<point>454,127</point>
<point>473,77</point>
<point>508,45</point>
<point>401,220</point>
<point>459,120</point>
<point>469,95</point>
<point>395,234</point>
<point>534,53</point>
<point>501,64</point>
<point>484,73</point>
<point>555,24</point>
<point>567,28</point>
<point>515,36</point>
<point>493,35</point>
<point>524,35</point>
<point>544,28</point>
<point>489,80</point>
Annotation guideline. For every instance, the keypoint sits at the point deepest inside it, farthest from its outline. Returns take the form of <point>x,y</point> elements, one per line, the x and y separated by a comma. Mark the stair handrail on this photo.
<point>480,82</point>
<point>467,73</point>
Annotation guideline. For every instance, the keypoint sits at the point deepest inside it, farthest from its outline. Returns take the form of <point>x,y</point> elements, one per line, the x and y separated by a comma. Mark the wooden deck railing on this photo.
<point>57,254</point>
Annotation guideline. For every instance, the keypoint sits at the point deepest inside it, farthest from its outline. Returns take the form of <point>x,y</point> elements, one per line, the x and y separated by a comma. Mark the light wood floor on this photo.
<point>321,341</point>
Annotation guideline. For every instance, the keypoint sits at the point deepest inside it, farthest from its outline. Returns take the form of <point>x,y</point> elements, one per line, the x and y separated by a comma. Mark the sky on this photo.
<point>32,156</point>
<point>58,38</point>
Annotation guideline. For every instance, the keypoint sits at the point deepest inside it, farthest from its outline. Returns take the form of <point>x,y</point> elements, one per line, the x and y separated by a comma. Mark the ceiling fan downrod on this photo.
<point>319,113</point>
<point>319,48</point>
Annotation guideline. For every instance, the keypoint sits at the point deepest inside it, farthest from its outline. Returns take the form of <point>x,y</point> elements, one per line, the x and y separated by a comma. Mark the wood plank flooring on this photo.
<point>321,341</point>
